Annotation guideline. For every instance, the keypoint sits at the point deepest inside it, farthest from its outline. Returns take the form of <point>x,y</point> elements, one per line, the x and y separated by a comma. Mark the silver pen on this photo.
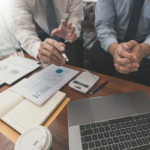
<point>63,54</point>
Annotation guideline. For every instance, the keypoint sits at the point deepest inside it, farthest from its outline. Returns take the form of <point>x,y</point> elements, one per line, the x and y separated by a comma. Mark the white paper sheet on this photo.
<point>41,86</point>
<point>1,82</point>
<point>13,68</point>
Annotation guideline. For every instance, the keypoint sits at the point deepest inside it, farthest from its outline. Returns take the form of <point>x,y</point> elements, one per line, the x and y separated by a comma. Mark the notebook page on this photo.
<point>28,114</point>
<point>8,101</point>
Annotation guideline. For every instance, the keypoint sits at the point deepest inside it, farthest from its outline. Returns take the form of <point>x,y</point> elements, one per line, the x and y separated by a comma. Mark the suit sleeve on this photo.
<point>76,15</point>
<point>24,28</point>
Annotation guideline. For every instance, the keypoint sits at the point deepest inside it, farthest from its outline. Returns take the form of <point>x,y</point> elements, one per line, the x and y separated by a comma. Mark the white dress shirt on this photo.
<point>23,12</point>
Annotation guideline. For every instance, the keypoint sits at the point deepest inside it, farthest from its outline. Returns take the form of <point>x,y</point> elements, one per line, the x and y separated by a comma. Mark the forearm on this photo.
<point>24,28</point>
<point>28,39</point>
<point>145,49</point>
<point>147,41</point>
<point>112,48</point>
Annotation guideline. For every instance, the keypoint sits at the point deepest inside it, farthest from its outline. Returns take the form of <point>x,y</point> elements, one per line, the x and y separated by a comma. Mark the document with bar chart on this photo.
<point>13,68</point>
<point>41,86</point>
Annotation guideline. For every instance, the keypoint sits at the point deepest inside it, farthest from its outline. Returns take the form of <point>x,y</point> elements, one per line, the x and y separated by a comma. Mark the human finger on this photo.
<point>133,65</point>
<point>130,44</point>
<point>54,32</point>
<point>55,44</point>
<point>126,48</point>
<point>63,23</point>
<point>51,47</point>
<point>124,70</point>
<point>69,25</point>
<point>62,44</point>
<point>123,61</point>
<point>44,59</point>
<point>121,69</point>
<point>125,54</point>
<point>73,38</point>
<point>129,51</point>
<point>71,31</point>
<point>48,51</point>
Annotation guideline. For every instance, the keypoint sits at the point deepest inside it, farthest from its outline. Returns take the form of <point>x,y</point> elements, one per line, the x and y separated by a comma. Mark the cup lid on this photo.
<point>37,138</point>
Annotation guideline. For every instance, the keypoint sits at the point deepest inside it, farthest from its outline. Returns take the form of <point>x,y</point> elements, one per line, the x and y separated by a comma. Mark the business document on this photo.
<point>1,82</point>
<point>41,86</point>
<point>13,68</point>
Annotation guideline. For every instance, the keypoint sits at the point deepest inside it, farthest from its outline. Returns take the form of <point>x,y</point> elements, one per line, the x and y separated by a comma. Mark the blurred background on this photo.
<point>8,42</point>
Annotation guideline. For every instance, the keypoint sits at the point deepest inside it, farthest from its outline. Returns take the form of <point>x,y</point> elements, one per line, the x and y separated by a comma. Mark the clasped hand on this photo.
<point>49,49</point>
<point>127,56</point>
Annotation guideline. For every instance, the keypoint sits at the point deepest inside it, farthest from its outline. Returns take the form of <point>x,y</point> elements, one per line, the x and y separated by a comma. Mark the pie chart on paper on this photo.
<point>59,71</point>
<point>3,68</point>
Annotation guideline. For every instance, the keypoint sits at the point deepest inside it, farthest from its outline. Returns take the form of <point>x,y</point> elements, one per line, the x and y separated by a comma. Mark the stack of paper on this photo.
<point>13,68</point>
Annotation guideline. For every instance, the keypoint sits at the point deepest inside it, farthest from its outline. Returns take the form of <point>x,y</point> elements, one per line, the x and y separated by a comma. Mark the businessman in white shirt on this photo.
<point>60,20</point>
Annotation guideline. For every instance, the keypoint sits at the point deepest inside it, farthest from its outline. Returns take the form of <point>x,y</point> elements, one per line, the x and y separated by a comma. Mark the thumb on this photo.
<point>130,44</point>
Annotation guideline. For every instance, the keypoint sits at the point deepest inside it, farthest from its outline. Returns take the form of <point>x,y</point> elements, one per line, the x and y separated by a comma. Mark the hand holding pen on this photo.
<point>49,52</point>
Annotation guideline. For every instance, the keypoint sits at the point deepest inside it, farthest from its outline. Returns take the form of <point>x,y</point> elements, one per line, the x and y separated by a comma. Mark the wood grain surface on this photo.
<point>59,128</point>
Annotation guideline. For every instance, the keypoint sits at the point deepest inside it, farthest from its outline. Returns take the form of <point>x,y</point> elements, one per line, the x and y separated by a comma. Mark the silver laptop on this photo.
<point>114,122</point>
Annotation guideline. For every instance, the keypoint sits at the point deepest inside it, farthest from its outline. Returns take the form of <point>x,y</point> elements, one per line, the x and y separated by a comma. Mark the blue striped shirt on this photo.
<point>112,19</point>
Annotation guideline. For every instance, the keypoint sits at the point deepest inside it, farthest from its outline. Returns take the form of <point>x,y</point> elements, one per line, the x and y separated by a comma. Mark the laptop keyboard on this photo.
<point>118,134</point>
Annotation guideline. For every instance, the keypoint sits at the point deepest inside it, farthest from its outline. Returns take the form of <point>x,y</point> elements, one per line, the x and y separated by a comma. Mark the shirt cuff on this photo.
<point>76,31</point>
<point>147,41</point>
<point>34,51</point>
<point>105,44</point>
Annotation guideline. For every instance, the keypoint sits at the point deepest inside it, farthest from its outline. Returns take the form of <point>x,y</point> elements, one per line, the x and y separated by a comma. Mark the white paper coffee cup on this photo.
<point>37,138</point>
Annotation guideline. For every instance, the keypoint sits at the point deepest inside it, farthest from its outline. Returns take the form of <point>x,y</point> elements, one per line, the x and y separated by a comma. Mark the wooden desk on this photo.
<point>59,128</point>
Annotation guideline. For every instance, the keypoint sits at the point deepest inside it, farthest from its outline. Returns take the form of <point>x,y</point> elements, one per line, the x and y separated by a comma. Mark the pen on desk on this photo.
<point>95,90</point>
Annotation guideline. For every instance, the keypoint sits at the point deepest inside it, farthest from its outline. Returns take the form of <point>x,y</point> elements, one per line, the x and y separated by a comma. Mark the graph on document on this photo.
<point>52,78</point>
<point>3,68</point>
<point>38,87</point>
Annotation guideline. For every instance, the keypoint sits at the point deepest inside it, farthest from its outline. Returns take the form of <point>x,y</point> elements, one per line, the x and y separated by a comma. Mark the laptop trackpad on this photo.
<point>120,105</point>
<point>79,112</point>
